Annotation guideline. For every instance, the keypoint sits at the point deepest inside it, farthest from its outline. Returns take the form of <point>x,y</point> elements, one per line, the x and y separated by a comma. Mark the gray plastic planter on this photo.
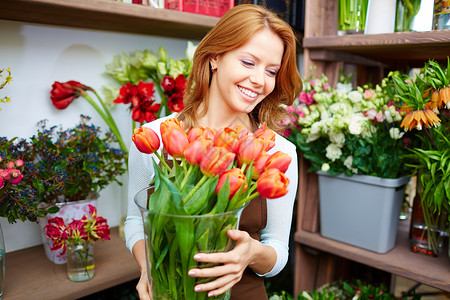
<point>361,210</point>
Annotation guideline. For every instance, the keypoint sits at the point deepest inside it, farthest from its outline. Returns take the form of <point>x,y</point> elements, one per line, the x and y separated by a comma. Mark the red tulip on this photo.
<point>267,136</point>
<point>197,132</point>
<point>228,138</point>
<point>175,141</point>
<point>62,94</point>
<point>236,179</point>
<point>279,160</point>
<point>197,149</point>
<point>171,123</point>
<point>250,148</point>
<point>258,165</point>
<point>272,184</point>
<point>240,130</point>
<point>145,139</point>
<point>216,161</point>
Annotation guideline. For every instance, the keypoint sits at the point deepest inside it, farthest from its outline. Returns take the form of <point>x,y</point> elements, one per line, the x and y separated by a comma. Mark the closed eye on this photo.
<point>271,73</point>
<point>248,63</point>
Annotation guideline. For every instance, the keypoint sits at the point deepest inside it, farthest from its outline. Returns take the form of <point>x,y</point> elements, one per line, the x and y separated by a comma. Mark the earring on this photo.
<point>213,69</point>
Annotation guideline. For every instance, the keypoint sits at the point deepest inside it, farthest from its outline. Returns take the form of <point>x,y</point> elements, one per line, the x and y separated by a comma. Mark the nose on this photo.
<point>257,78</point>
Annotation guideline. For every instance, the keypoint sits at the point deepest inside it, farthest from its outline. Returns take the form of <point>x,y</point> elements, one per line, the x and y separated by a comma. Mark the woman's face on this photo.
<point>246,75</point>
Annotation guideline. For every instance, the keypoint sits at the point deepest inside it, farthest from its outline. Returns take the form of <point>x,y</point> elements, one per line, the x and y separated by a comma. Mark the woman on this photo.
<point>243,69</point>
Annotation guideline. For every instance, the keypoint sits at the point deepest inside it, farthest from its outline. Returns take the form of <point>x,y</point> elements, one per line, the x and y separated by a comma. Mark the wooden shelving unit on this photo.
<point>318,259</point>
<point>109,15</point>
<point>30,275</point>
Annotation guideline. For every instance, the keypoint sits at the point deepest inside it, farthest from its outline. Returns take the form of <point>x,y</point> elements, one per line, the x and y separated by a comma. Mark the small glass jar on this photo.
<point>441,18</point>
<point>80,260</point>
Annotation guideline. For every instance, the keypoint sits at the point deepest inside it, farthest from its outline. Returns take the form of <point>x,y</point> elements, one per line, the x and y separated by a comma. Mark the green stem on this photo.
<point>161,159</point>
<point>186,177</point>
<point>108,120</point>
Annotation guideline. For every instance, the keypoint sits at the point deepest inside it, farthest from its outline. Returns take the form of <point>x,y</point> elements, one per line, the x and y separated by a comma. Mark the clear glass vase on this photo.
<point>441,18</point>
<point>2,262</point>
<point>173,240</point>
<point>352,16</point>
<point>80,260</point>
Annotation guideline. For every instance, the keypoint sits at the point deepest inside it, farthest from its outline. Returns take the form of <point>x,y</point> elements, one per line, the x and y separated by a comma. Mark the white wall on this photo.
<point>38,55</point>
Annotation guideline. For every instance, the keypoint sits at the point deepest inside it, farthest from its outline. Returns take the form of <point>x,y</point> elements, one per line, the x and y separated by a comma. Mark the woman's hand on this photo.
<point>231,264</point>
<point>143,287</point>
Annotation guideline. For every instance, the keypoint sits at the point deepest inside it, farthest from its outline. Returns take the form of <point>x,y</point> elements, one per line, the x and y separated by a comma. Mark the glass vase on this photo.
<point>173,240</point>
<point>80,260</point>
<point>2,262</point>
<point>441,19</point>
<point>414,15</point>
<point>428,229</point>
<point>352,16</point>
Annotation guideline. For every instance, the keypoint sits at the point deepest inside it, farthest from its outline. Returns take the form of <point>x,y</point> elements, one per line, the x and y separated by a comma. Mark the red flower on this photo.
<point>168,83</point>
<point>145,139</point>
<point>175,102</point>
<point>272,184</point>
<point>279,160</point>
<point>197,149</point>
<point>228,138</point>
<point>145,111</point>
<point>175,140</point>
<point>250,148</point>
<point>56,230</point>
<point>62,94</point>
<point>236,179</point>
<point>127,93</point>
<point>216,161</point>
<point>180,83</point>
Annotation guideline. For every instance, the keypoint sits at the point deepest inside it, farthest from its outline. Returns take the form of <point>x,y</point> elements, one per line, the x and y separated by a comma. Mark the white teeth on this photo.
<point>248,92</point>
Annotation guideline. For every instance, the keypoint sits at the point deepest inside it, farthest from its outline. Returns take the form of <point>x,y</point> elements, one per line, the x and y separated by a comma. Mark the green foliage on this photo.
<point>59,165</point>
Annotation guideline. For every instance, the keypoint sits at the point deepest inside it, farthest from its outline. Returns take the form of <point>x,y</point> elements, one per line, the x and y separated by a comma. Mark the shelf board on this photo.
<point>410,46</point>
<point>431,271</point>
<point>109,15</point>
<point>30,275</point>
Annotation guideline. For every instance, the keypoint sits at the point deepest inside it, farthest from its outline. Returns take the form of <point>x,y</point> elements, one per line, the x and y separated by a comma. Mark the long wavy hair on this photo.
<point>232,31</point>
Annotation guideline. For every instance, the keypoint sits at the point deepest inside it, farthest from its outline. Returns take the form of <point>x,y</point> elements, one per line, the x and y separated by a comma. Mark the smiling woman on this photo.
<point>243,70</point>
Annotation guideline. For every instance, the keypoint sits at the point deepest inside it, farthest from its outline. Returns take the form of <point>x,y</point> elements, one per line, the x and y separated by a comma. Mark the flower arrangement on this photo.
<point>56,165</point>
<point>7,80</point>
<point>140,73</point>
<point>425,102</point>
<point>213,172</point>
<point>79,236</point>
<point>64,93</point>
<point>345,130</point>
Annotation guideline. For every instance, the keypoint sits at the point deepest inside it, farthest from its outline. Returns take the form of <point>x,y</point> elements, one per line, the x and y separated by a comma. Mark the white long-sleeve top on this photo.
<point>279,211</point>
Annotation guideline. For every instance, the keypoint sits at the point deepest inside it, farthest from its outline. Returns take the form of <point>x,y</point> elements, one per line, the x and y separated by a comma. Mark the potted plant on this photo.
<point>352,139</point>
<point>426,104</point>
<point>61,167</point>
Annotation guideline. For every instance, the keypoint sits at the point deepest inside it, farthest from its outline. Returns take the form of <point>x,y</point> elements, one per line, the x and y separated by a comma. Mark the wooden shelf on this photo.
<point>400,260</point>
<point>109,15</point>
<point>409,46</point>
<point>30,275</point>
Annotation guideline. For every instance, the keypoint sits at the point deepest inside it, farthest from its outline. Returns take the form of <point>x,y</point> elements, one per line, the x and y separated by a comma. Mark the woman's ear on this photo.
<point>213,63</point>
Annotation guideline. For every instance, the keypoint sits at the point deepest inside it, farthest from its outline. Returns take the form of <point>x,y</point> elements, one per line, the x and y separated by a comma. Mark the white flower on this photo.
<point>387,115</point>
<point>333,151</point>
<point>356,124</point>
<point>343,87</point>
<point>348,162</point>
<point>190,50</point>
<point>337,137</point>
<point>355,96</point>
<point>395,133</point>
<point>325,167</point>
<point>312,137</point>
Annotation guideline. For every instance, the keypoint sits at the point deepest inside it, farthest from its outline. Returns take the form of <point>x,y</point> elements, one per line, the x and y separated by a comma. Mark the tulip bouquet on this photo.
<point>346,130</point>
<point>81,232</point>
<point>214,172</point>
<point>140,73</point>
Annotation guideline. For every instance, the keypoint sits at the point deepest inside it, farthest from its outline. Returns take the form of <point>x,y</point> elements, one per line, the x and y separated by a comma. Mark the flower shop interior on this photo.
<point>384,60</point>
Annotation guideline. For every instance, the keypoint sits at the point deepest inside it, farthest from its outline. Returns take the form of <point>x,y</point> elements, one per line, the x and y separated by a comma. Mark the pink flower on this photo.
<point>16,176</point>
<point>2,183</point>
<point>306,98</point>
<point>369,94</point>
<point>19,163</point>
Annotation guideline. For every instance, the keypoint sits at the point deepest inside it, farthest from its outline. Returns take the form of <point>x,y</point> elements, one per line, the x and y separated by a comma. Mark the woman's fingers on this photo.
<point>143,288</point>
<point>218,286</point>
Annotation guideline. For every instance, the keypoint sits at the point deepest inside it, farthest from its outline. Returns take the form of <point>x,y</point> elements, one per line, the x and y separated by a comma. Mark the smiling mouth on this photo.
<point>248,93</point>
